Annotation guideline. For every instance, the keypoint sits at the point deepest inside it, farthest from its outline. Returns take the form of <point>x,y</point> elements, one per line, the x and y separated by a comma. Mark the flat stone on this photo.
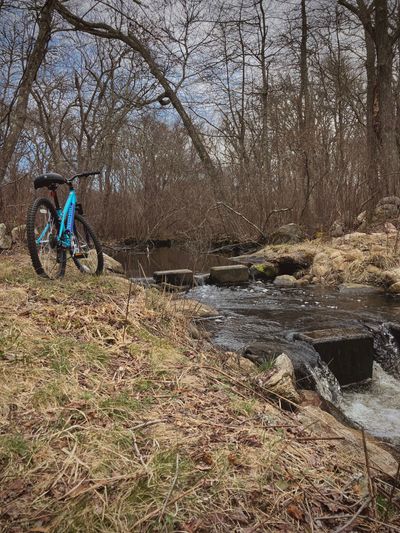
<point>229,275</point>
<point>347,352</point>
<point>174,277</point>
<point>358,288</point>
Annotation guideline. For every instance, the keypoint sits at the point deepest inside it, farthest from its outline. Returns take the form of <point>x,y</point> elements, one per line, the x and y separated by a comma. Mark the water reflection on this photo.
<point>144,263</point>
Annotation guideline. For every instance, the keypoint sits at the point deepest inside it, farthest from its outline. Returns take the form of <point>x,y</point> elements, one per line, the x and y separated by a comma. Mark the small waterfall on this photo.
<point>386,348</point>
<point>376,407</point>
<point>326,383</point>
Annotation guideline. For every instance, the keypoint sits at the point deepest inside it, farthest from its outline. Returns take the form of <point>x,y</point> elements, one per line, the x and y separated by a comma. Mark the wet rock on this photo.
<point>302,356</point>
<point>359,288</point>
<point>289,233</point>
<point>229,275</point>
<point>285,281</point>
<point>18,234</point>
<point>264,271</point>
<point>280,379</point>
<point>112,264</point>
<point>5,240</point>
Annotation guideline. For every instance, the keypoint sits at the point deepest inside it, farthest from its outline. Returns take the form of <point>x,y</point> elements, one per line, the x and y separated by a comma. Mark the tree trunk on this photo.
<point>305,119</point>
<point>374,183</point>
<point>389,157</point>
<point>19,113</point>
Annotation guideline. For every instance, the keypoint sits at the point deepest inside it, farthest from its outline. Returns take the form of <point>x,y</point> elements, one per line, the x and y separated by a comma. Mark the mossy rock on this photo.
<point>264,271</point>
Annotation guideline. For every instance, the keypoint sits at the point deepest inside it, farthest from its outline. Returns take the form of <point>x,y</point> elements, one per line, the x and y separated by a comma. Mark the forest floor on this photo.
<point>114,418</point>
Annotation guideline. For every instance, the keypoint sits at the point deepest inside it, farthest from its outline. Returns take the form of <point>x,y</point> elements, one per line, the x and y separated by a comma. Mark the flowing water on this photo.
<point>258,311</point>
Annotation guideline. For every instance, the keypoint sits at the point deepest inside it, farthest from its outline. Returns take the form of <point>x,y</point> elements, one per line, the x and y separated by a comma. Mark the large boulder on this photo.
<point>5,240</point>
<point>289,233</point>
<point>303,357</point>
<point>387,210</point>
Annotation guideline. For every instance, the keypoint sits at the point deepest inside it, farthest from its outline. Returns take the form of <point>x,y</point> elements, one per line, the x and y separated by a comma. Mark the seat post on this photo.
<point>53,194</point>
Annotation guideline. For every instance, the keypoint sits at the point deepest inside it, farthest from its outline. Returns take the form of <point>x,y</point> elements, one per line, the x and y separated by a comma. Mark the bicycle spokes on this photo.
<point>83,249</point>
<point>48,251</point>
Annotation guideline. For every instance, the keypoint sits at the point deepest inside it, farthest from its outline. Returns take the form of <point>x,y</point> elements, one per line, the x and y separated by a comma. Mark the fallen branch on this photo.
<point>260,231</point>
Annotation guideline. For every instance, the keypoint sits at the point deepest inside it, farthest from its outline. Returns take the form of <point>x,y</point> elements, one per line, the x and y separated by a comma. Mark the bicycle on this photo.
<point>53,231</point>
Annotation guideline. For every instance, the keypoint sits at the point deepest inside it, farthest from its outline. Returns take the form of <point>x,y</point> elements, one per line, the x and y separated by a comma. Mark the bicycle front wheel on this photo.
<point>42,227</point>
<point>86,250</point>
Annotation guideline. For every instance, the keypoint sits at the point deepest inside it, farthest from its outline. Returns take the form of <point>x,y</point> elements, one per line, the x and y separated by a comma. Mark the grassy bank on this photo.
<point>360,258</point>
<point>113,418</point>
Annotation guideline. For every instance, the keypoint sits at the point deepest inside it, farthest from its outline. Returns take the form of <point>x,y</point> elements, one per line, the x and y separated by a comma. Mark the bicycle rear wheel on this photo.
<point>48,259</point>
<point>86,250</point>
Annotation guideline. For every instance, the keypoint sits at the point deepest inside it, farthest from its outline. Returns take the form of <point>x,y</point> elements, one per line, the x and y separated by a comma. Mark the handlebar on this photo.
<point>84,175</point>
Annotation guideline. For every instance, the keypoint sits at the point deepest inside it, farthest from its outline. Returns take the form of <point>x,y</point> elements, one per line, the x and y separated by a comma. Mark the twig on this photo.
<point>370,482</point>
<point>171,488</point>
<point>349,522</point>
<point>149,423</point>
<point>137,452</point>
<point>260,231</point>
<point>318,438</point>
<point>127,309</point>
<point>310,515</point>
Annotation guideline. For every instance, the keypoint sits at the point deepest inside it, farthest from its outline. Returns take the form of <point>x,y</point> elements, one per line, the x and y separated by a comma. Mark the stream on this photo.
<point>258,311</point>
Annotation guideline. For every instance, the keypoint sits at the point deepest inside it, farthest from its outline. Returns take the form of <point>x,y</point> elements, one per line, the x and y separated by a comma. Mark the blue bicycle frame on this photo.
<point>67,220</point>
<point>66,217</point>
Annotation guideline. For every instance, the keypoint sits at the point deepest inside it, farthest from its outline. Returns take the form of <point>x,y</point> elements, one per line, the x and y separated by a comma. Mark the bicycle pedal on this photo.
<point>80,255</point>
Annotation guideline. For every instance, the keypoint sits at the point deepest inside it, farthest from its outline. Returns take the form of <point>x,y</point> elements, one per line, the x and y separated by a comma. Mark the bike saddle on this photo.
<point>48,180</point>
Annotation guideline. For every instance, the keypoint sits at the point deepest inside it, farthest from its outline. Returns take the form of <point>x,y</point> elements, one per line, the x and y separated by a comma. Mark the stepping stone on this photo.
<point>229,275</point>
<point>183,277</point>
<point>347,352</point>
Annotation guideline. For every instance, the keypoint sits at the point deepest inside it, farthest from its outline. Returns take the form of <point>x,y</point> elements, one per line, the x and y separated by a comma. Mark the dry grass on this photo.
<point>362,258</point>
<point>114,423</point>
